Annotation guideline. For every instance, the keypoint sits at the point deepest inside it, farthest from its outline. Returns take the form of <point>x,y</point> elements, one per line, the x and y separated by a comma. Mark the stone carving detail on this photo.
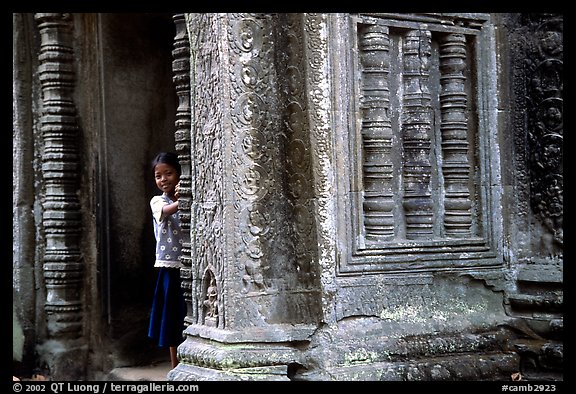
<point>207,196</point>
<point>315,33</point>
<point>374,44</point>
<point>251,200</point>
<point>210,303</point>
<point>181,79</point>
<point>416,133</point>
<point>251,60</point>
<point>298,165</point>
<point>454,129</point>
<point>545,121</point>
<point>63,267</point>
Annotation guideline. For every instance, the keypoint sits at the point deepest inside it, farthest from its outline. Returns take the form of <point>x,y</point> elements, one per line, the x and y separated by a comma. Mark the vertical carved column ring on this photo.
<point>61,217</point>
<point>416,133</point>
<point>454,130</point>
<point>374,46</point>
<point>182,139</point>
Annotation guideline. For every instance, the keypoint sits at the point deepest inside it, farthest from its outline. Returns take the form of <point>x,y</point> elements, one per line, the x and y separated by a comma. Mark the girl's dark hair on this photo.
<point>167,158</point>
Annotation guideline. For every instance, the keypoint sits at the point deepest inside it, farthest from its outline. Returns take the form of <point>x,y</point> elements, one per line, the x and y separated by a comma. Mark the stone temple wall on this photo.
<point>349,188</point>
<point>367,196</point>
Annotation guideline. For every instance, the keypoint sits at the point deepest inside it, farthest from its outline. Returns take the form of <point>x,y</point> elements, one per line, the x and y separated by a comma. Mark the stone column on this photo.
<point>253,283</point>
<point>61,219</point>
<point>454,126</point>
<point>181,79</point>
<point>416,133</point>
<point>374,46</point>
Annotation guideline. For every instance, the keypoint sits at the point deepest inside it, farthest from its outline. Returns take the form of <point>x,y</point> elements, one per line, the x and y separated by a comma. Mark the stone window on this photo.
<point>418,135</point>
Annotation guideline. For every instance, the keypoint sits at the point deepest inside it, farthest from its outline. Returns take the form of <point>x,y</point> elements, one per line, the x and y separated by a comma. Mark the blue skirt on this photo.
<point>168,309</point>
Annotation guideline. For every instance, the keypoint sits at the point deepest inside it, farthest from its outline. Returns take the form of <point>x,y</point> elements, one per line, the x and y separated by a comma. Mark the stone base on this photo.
<point>254,353</point>
<point>187,372</point>
<point>359,353</point>
<point>488,367</point>
<point>66,359</point>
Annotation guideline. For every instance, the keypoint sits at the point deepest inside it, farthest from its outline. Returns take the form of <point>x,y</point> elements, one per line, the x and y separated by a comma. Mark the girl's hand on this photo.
<point>177,190</point>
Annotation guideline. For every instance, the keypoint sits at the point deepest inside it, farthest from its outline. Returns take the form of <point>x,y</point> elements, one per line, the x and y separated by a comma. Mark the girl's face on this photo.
<point>166,178</point>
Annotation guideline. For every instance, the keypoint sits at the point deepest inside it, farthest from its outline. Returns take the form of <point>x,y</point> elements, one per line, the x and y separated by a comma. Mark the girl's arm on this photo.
<point>172,208</point>
<point>169,209</point>
<point>160,209</point>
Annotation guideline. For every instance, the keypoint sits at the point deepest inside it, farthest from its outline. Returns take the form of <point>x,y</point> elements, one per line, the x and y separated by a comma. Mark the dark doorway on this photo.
<point>138,113</point>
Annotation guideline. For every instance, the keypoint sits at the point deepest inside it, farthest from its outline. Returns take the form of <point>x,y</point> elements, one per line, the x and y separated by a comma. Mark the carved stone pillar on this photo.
<point>318,249</point>
<point>61,219</point>
<point>251,283</point>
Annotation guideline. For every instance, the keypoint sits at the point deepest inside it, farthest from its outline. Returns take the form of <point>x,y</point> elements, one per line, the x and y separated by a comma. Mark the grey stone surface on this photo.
<point>369,196</point>
<point>153,372</point>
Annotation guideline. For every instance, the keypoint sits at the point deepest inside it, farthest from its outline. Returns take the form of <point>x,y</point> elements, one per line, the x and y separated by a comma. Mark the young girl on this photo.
<point>168,306</point>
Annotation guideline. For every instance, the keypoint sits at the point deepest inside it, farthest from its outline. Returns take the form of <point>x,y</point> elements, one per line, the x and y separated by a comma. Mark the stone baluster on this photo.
<point>182,138</point>
<point>61,219</point>
<point>416,133</point>
<point>378,205</point>
<point>454,130</point>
